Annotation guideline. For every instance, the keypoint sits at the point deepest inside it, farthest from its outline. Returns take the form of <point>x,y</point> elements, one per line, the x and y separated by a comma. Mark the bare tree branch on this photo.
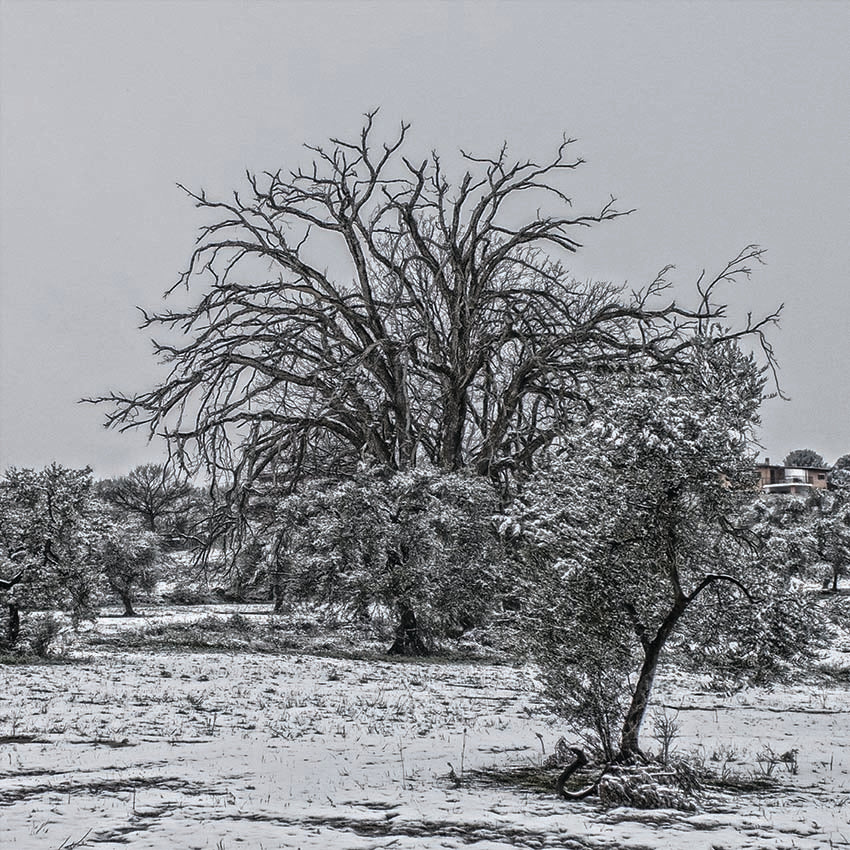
<point>445,329</point>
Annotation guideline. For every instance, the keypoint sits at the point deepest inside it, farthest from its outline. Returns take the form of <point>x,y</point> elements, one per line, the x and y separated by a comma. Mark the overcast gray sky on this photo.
<point>723,123</point>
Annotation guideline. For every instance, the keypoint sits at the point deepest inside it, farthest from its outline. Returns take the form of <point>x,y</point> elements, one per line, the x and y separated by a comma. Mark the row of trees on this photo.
<point>401,397</point>
<point>67,541</point>
<point>622,545</point>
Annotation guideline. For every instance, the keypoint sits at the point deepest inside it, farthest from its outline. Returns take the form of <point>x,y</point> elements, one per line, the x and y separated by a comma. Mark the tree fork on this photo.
<point>630,736</point>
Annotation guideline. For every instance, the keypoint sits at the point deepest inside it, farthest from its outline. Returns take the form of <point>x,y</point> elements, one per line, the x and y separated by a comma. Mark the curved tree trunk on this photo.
<point>579,761</point>
<point>630,735</point>
<point>408,639</point>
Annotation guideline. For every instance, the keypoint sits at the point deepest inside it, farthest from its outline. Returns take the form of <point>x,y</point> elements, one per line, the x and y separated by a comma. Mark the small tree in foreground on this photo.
<point>635,542</point>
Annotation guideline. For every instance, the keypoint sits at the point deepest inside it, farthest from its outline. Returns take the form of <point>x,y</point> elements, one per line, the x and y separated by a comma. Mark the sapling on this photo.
<point>665,729</point>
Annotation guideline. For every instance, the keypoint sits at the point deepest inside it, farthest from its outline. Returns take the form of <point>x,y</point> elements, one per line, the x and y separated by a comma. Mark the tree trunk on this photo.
<point>451,436</point>
<point>408,640</point>
<point>13,624</point>
<point>278,574</point>
<point>127,602</point>
<point>630,736</point>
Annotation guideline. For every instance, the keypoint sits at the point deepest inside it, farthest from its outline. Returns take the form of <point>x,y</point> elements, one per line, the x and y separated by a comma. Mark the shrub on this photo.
<point>40,633</point>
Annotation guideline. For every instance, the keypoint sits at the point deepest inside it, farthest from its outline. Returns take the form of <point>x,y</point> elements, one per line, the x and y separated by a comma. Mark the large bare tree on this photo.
<point>367,307</point>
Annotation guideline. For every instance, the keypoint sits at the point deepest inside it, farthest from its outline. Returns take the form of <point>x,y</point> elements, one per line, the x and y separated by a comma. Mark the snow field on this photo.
<point>177,749</point>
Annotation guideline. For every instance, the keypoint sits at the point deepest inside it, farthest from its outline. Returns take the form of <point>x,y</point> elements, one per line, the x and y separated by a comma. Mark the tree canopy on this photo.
<point>370,312</point>
<point>370,308</point>
<point>839,475</point>
<point>151,492</point>
<point>49,528</point>
<point>805,458</point>
<point>421,543</point>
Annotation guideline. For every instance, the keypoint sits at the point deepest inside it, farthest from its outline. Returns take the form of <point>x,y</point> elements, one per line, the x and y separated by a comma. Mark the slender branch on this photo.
<point>715,577</point>
<point>8,584</point>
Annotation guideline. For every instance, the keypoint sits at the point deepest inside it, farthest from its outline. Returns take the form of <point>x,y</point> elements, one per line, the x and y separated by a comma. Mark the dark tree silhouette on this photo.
<point>446,332</point>
<point>151,492</point>
<point>804,458</point>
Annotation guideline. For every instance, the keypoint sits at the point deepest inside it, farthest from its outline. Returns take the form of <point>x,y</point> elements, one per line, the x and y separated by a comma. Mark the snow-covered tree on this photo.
<point>829,524</point>
<point>839,475</point>
<point>810,535</point>
<point>422,544</point>
<point>128,556</point>
<point>375,308</point>
<point>634,540</point>
<point>50,530</point>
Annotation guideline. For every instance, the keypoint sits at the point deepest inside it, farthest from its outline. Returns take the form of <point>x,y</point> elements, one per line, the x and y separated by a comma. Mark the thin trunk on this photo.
<point>279,572</point>
<point>630,736</point>
<point>127,602</point>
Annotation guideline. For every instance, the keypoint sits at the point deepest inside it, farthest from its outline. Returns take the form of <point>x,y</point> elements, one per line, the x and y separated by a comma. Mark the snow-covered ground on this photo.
<point>180,749</point>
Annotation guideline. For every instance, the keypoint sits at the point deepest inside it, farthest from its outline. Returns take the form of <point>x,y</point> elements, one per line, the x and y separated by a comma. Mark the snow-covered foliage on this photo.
<point>839,475</point>
<point>49,527</point>
<point>810,534</point>
<point>62,548</point>
<point>420,540</point>
<point>128,556</point>
<point>635,539</point>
